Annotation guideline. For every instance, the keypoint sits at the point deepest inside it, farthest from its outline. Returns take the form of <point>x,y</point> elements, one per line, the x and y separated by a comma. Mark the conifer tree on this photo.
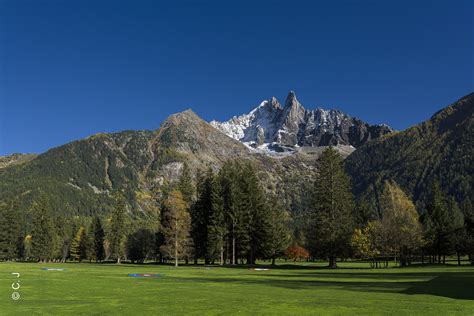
<point>42,233</point>
<point>278,234</point>
<point>436,220</point>
<point>185,184</point>
<point>468,213</point>
<point>331,214</point>
<point>10,230</point>
<point>227,182</point>
<point>176,226</point>
<point>217,228</point>
<point>458,235</point>
<point>99,236</point>
<point>140,245</point>
<point>65,231</point>
<point>200,213</point>
<point>117,228</point>
<point>81,245</point>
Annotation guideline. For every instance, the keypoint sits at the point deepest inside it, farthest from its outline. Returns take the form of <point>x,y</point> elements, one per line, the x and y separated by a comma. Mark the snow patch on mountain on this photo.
<point>272,128</point>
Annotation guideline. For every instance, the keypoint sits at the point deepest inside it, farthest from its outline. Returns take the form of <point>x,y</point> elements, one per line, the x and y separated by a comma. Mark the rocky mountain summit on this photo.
<point>274,127</point>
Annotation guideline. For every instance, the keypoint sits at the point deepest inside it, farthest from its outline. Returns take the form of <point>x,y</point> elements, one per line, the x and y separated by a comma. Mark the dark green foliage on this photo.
<point>65,232</point>
<point>117,228</point>
<point>158,241</point>
<point>468,213</point>
<point>99,238</point>
<point>10,231</point>
<point>200,213</point>
<point>185,184</point>
<point>140,245</point>
<point>457,236</point>
<point>217,227</point>
<point>278,238</point>
<point>255,221</point>
<point>438,150</point>
<point>330,220</point>
<point>43,232</point>
<point>436,222</point>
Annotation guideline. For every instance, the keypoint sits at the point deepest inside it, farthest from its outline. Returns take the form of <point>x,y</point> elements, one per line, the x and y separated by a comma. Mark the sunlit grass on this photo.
<point>100,289</point>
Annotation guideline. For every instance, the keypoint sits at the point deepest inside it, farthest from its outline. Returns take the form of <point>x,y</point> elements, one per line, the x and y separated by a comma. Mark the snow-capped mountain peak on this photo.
<point>270,125</point>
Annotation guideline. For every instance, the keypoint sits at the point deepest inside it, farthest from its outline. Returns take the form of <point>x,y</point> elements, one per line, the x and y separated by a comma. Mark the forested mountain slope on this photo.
<point>79,177</point>
<point>439,149</point>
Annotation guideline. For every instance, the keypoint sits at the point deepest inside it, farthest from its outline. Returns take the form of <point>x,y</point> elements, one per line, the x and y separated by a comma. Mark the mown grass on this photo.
<point>106,289</point>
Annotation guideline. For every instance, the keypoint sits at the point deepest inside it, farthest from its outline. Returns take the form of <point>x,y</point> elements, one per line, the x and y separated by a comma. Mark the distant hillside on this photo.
<point>440,149</point>
<point>79,177</point>
<point>15,159</point>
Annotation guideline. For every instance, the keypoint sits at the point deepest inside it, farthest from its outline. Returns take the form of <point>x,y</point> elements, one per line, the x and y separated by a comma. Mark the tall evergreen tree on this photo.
<point>65,232</point>
<point>99,236</point>
<point>255,225</point>
<point>185,184</point>
<point>217,228</point>
<point>331,215</point>
<point>176,226</point>
<point>117,228</point>
<point>227,182</point>
<point>200,213</point>
<point>468,212</point>
<point>10,230</point>
<point>80,249</point>
<point>279,234</point>
<point>42,233</point>
<point>140,245</point>
<point>458,234</point>
<point>436,221</point>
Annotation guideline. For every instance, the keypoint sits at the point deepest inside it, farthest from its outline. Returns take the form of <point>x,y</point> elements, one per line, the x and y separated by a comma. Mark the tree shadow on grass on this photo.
<point>453,285</point>
<point>456,285</point>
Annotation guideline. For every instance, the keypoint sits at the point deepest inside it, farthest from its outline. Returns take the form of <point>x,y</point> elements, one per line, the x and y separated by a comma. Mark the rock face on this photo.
<point>292,125</point>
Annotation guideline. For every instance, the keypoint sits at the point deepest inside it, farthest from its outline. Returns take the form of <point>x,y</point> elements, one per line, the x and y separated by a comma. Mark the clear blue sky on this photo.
<point>69,69</point>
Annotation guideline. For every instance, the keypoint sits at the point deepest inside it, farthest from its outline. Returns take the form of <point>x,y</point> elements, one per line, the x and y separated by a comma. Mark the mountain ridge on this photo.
<point>293,126</point>
<point>439,149</point>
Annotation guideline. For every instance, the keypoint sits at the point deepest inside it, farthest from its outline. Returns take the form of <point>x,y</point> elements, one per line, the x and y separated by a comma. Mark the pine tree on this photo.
<point>176,226</point>
<point>185,184</point>
<point>42,234</point>
<point>76,245</point>
<point>217,228</point>
<point>227,182</point>
<point>331,214</point>
<point>99,236</point>
<point>457,235</point>
<point>200,213</point>
<point>468,213</point>
<point>10,230</point>
<point>436,220</point>
<point>65,231</point>
<point>257,217</point>
<point>140,245</point>
<point>278,234</point>
<point>117,228</point>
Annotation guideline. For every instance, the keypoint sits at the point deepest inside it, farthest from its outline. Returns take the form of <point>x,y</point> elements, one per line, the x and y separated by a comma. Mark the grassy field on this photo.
<point>103,289</point>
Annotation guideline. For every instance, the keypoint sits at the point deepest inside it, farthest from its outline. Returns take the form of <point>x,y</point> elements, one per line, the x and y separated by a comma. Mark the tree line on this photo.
<point>227,217</point>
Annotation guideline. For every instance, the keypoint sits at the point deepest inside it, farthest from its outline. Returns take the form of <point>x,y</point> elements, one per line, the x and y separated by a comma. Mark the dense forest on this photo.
<point>227,217</point>
<point>439,150</point>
